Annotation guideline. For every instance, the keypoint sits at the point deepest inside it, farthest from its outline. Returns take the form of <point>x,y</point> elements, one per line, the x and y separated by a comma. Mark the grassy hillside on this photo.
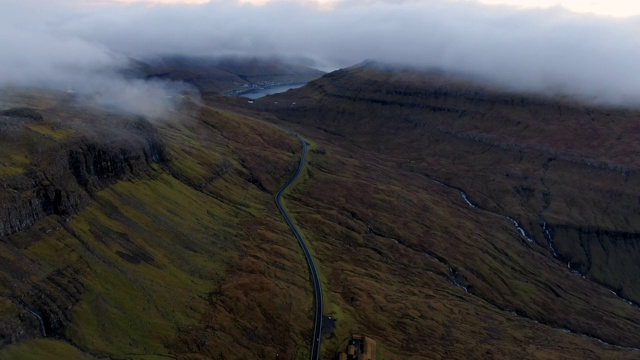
<point>129,239</point>
<point>397,247</point>
<point>539,160</point>
<point>392,246</point>
<point>185,257</point>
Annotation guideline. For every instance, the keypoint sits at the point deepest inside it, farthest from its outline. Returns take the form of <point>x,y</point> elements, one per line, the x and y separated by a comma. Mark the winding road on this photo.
<point>317,289</point>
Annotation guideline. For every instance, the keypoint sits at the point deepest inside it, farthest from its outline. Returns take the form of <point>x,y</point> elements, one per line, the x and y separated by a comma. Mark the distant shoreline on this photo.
<point>269,90</point>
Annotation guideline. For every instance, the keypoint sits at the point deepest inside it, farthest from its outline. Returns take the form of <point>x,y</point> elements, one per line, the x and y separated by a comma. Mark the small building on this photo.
<point>369,352</point>
<point>359,347</point>
<point>351,350</point>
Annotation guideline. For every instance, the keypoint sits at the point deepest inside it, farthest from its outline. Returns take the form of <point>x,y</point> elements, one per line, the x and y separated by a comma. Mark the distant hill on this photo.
<point>227,75</point>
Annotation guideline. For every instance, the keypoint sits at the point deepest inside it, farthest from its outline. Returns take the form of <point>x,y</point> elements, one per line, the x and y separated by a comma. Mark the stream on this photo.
<point>453,278</point>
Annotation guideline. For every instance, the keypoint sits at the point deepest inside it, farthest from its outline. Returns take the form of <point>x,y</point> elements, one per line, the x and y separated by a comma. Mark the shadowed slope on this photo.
<point>398,249</point>
<point>538,160</point>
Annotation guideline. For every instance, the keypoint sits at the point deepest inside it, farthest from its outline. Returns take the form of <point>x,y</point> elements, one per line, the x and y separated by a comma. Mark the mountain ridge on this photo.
<point>226,75</point>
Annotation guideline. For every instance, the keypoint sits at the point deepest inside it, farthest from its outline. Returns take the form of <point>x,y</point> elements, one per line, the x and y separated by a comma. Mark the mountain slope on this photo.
<point>538,160</point>
<point>441,216</point>
<point>399,148</point>
<point>227,75</point>
<point>180,254</point>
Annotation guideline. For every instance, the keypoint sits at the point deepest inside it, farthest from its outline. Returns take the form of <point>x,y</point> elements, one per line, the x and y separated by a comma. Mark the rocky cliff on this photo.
<point>67,173</point>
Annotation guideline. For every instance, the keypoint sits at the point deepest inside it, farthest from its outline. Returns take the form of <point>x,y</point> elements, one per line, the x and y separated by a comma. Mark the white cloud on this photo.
<point>37,52</point>
<point>532,49</point>
<point>158,2</point>
<point>618,8</point>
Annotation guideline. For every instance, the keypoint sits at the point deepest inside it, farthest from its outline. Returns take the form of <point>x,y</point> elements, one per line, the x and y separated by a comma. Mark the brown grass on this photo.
<point>371,189</point>
<point>191,259</point>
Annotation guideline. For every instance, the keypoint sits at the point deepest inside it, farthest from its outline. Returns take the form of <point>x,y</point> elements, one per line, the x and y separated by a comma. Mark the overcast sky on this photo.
<point>576,49</point>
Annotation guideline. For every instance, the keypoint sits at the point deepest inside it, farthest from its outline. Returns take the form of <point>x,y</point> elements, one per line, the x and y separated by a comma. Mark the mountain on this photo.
<point>447,220</point>
<point>571,166</point>
<point>228,75</point>
<point>410,152</point>
<point>127,238</point>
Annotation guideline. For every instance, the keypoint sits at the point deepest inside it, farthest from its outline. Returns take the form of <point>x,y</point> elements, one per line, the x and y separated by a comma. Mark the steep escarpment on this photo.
<point>22,112</point>
<point>60,178</point>
<point>126,238</point>
<point>602,255</point>
<point>54,168</point>
<point>95,165</point>
<point>367,100</point>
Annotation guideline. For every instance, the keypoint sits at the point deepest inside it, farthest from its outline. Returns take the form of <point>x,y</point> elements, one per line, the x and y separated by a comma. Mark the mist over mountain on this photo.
<point>79,43</point>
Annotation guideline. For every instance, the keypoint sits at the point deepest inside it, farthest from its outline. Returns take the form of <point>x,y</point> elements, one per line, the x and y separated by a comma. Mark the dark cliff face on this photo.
<point>369,101</point>
<point>95,165</point>
<point>606,256</point>
<point>547,162</point>
<point>72,171</point>
<point>62,173</point>
<point>23,112</point>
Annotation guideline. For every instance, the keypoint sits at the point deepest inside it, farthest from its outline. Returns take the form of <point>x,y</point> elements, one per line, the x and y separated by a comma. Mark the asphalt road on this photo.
<point>317,290</point>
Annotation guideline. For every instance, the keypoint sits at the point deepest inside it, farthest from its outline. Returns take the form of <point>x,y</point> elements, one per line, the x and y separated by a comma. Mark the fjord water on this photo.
<point>258,93</point>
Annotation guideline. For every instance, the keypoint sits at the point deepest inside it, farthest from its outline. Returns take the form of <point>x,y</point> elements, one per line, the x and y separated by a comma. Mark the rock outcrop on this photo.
<point>73,171</point>
<point>23,112</point>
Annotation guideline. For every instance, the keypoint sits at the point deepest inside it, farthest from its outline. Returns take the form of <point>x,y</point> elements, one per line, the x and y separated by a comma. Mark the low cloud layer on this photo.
<point>36,53</point>
<point>79,44</point>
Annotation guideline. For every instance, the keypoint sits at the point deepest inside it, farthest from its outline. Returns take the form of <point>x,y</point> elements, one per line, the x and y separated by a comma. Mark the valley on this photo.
<point>440,218</point>
<point>426,133</point>
<point>161,260</point>
<point>226,75</point>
